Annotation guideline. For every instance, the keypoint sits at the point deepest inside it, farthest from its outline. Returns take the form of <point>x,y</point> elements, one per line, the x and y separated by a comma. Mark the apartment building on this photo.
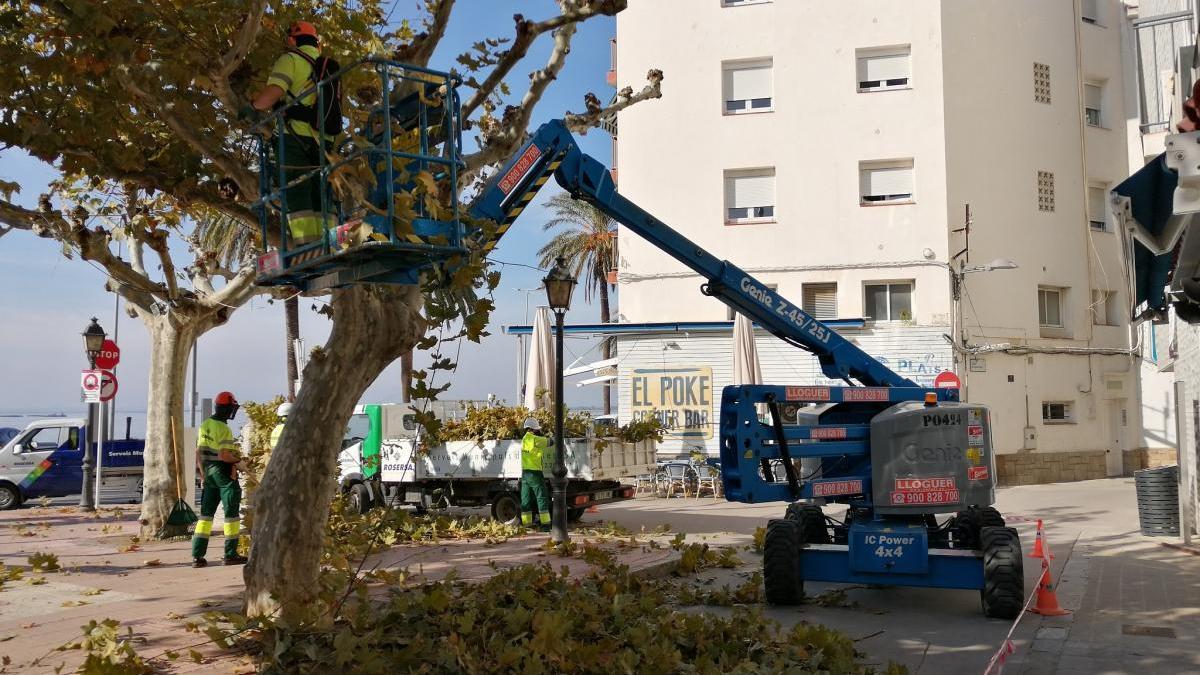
<point>885,165</point>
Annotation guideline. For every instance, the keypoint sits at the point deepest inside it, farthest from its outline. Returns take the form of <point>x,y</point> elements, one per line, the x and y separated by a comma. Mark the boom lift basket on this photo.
<point>406,219</point>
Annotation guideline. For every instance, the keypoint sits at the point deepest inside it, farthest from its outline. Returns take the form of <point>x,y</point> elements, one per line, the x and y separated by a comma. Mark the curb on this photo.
<point>1190,550</point>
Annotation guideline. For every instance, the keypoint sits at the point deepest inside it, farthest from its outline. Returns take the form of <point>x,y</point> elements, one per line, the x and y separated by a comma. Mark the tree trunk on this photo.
<point>171,338</point>
<point>291,310</point>
<point>372,327</point>
<point>406,363</point>
<point>606,349</point>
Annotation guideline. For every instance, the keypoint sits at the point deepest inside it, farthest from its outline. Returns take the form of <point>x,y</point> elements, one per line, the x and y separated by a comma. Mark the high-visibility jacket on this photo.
<point>532,449</point>
<point>275,434</point>
<point>293,74</point>
<point>215,436</point>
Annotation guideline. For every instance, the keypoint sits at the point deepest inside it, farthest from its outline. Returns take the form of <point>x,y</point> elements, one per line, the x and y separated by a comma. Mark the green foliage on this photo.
<point>507,423</point>
<point>695,557</point>
<point>44,562</point>
<point>760,539</point>
<point>107,652</point>
<point>532,619</point>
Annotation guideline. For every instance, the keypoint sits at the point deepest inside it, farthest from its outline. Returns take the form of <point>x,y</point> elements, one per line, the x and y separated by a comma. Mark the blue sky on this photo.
<point>48,300</point>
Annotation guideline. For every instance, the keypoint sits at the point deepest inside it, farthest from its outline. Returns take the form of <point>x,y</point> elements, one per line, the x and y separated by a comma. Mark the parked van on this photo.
<point>46,460</point>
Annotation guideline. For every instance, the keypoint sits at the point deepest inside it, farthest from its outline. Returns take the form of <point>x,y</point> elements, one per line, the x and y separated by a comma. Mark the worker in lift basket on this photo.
<point>533,481</point>
<point>292,75</point>
<point>217,458</point>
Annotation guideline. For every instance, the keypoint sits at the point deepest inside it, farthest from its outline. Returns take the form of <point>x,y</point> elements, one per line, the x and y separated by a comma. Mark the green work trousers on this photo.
<point>302,156</point>
<point>533,489</point>
<point>219,488</point>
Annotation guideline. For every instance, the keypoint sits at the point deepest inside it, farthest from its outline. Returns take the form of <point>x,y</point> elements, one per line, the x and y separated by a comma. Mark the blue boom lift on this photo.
<point>895,453</point>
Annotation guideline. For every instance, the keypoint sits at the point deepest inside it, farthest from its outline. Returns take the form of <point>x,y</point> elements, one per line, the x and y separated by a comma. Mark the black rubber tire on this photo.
<point>812,523</point>
<point>968,525</point>
<point>10,497</point>
<point>1003,594</point>
<point>573,515</point>
<point>360,498</point>
<point>506,508</point>
<point>781,563</point>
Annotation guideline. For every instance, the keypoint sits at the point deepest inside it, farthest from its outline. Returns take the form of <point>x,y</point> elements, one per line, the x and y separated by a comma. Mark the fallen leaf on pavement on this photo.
<point>152,563</point>
<point>75,603</point>
<point>94,591</point>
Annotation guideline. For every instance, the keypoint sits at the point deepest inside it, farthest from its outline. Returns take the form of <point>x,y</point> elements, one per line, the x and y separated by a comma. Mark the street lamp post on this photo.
<point>559,287</point>
<point>93,342</point>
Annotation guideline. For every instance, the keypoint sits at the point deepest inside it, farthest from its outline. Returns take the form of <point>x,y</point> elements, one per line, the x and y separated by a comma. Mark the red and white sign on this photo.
<point>108,385</point>
<point>865,394</point>
<point>827,433</point>
<point>832,488</point>
<point>89,382</point>
<point>807,393</point>
<point>269,262</point>
<point>513,178</point>
<point>925,491</point>
<point>947,380</point>
<point>977,473</point>
<point>110,356</point>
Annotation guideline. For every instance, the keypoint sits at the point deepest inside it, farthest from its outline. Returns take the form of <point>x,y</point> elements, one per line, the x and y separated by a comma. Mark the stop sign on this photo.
<point>110,355</point>
<point>946,380</point>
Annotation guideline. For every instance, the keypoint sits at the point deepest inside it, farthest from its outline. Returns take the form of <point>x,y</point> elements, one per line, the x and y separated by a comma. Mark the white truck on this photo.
<point>379,464</point>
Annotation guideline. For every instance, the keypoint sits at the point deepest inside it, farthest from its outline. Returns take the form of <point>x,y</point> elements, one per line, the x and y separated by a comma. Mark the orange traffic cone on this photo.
<point>1047,599</point>
<point>1038,546</point>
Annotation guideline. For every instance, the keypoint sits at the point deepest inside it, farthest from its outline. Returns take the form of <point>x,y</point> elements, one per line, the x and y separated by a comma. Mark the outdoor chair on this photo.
<point>648,482</point>
<point>708,478</point>
<point>678,475</point>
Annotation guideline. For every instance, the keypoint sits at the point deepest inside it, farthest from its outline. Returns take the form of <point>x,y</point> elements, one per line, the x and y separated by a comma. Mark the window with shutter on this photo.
<point>883,182</point>
<point>747,87</point>
<point>820,300</point>
<point>881,69</point>
<point>749,196</point>
<point>1093,98</point>
<point>1054,412</point>
<point>1097,213</point>
<point>1090,11</point>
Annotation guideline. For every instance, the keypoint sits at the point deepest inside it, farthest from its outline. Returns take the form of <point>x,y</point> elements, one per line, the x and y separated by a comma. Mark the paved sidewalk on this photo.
<point>154,590</point>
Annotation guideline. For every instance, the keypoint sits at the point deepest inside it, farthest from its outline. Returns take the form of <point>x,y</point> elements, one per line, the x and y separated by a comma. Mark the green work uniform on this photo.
<point>533,482</point>
<point>275,434</point>
<point>302,148</point>
<point>219,488</point>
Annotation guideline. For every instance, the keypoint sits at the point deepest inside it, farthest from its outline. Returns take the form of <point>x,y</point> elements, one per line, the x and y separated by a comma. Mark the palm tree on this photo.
<point>589,245</point>
<point>231,241</point>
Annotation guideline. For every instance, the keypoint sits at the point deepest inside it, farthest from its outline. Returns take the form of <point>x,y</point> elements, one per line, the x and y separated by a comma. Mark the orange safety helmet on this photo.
<point>226,398</point>
<point>298,28</point>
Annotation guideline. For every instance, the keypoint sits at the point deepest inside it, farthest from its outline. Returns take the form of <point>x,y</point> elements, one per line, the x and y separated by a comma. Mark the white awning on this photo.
<point>589,367</point>
<point>595,380</point>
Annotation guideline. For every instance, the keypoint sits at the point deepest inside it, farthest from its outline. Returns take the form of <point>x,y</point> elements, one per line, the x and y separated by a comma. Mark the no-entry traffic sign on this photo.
<point>947,380</point>
<point>108,385</point>
<point>110,355</point>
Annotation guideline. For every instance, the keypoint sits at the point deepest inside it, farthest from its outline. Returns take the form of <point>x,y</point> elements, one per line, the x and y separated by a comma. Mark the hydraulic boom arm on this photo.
<point>553,150</point>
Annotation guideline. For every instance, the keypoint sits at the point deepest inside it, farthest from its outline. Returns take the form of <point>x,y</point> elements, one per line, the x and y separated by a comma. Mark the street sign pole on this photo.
<point>100,450</point>
<point>90,383</point>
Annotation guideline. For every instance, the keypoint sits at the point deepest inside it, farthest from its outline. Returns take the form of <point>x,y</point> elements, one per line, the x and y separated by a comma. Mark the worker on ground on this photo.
<point>217,458</point>
<point>533,481</point>
<point>294,73</point>
<point>282,413</point>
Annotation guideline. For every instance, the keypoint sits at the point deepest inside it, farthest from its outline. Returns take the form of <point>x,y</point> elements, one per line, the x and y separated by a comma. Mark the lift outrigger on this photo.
<point>896,453</point>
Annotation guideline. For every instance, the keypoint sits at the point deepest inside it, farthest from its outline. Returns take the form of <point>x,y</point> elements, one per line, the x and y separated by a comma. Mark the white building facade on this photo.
<point>853,154</point>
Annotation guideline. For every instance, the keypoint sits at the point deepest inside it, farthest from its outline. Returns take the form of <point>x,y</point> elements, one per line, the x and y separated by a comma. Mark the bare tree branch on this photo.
<point>242,41</point>
<point>236,291</point>
<point>504,138</point>
<point>573,11</point>
<point>91,244</point>
<point>595,115</point>
<point>421,50</point>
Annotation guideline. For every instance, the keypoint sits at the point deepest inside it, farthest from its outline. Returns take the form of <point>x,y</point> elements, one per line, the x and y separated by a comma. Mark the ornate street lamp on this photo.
<point>559,287</point>
<point>93,341</point>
